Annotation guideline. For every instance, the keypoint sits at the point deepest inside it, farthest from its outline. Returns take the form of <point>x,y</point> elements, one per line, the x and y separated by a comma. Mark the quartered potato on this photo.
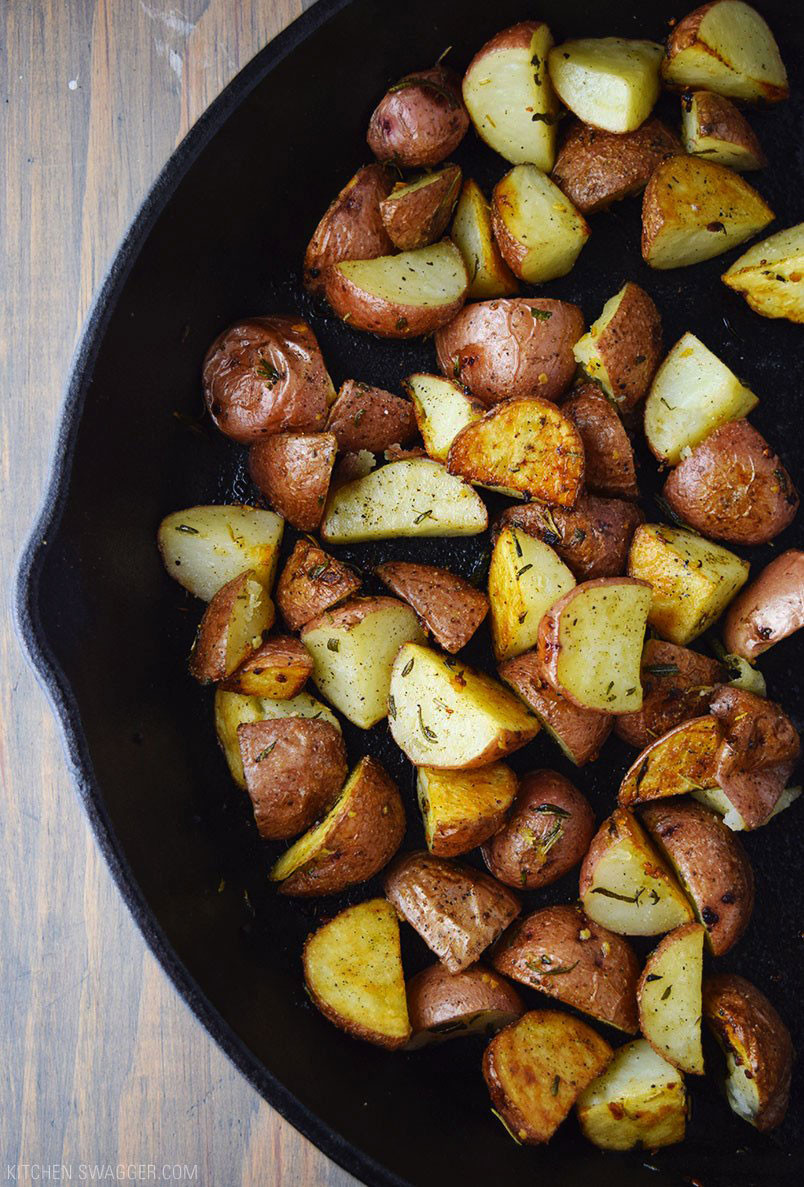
<point>677,685</point>
<point>538,231</point>
<point>669,996</point>
<point>608,454</point>
<point>525,578</point>
<point>442,408</point>
<point>366,417</point>
<point>713,127</point>
<point>231,629</point>
<point>682,761</point>
<point>759,753</point>
<point>232,710</point>
<point>639,1100</point>
<point>621,350</point>
<point>311,582</point>
<point>447,606</point>
<point>595,168</point>
<point>278,670</point>
<point>717,801</point>
<point>416,212</point>
<point>462,809</point>
<point>770,609</point>
<point>293,471</point>
<point>420,120</point>
<point>352,227</point>
<point>489,275</point>
<point>444,1005</point>
<point>770,275</point>
<point>204,548</point>
<point>608,82</point>
<point>728,48</point>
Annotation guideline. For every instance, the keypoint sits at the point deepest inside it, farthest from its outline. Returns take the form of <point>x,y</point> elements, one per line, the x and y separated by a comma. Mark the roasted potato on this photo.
<point>420,120</point>
<point>471,232</point>
<point>683,760</point>
<point>294,768</point>
<point>538,231</point>
<point>266,375</point>
<point>352,227</point>
<point>711,864</point>
<point>462,809</point>
<point>442,408</point>
<point>366,417</point>
<point>525,446</point>
<point>232,709</point>
<point>669,996</point>
<point>608,82</point>
<point>353,973</point>
<point>694,209</point>
<point>456,910</point>
<point>579,732</point>
<point>639,1100</point>
<point>713,127</point>
<point>358,836</point>
<point>677,684</point>
<point>351,466</point>
<point>609,467</point>
<point>204,548</point>
<point>414,497</point>
<point>546,834</point>
<point>728,48</point>
<point>770,275</point>
<point>621,350</point>
<point>447,606</point>
<point>537,1068</point>
<point>417,212</point>
<point>595,168</point>
<point>353,647</point>
<point>624,883</point>
<point>516,347</point>
<point>757,1045</point>
<point>278,670</point>
<point>231,629</point>
<point>758,755</point>
<point>692,580</point>
<point>590,643</point>
<point>444,1005</point>
<point>717,801</point>
<point>293,471</point>
<point>508,95</point>
<point>444,714</point>
<point>525,579</point>
<point>560,952</point>
<point>769,610</point>
<point>311,582</point>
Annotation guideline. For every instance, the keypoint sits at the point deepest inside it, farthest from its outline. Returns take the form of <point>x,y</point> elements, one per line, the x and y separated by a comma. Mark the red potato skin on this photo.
<point>769,609</point>
<point>758,753</point>
<point>592,538</point>
<point>631,347</point>
<point>610,469</point>
<point>208,656</point>
<point>498,349</point>
<point>366,417</point>
<point>364,311</point>
<point>438,999</point>
<point>293,471</point>
<point>420,121</point>
<point>286,663</point>
<point>419,217</point>
<point>685,34</point>
<point>266,375</point>
<point>719,118</point>
<point>595,168</point>
<point>352,227</point>
<point>448,607</point>
<point>311,582</point>
<point>669,698</point>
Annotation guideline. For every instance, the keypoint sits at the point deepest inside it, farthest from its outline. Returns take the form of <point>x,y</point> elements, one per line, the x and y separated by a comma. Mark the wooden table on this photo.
<point>102,1063</point>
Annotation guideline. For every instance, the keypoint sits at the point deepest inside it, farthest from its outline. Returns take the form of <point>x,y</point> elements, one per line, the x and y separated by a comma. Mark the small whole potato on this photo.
<point>420,120</point>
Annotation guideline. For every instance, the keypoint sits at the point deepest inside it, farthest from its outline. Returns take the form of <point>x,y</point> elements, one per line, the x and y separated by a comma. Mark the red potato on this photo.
<point>420,120</point>
<point>759,751</point>
<point>352,228</point>
<point>769,609</point>
<point>231,629</point>
<point>712,126</point>
<point>293,471</point>
<point>447,606</point>
<point>609,469</point>
<point>366,417</point>
<point>592,537</point>
<point>311,582</point>
<point>417,212</point>
<point>683,760</point>
<point>278,670</point>
<point>579,732</point>
<point>677,685</point>
<point>623,348</point>
<point>595,168</point>
<point>444,1005</point>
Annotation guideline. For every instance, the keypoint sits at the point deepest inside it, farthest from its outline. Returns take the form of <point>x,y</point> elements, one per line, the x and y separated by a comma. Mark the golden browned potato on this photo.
<point>366,417</point>
<point>562,953</point>
<point>592,538</point>
<point>231,629</point>
<point>420,120</point>
<point>525,578</point>
<point>416,212</point>
<point>456,910</point>
<point>294,768</point>
<point>757,1045</point>
<point>204,547</point>
<point>266,375</point>
<point>640,1100</point>
<point>669,996</point>
<point>727,47</point>
<point>352,228</point>
<point>547,833</point>
<point>462,809</point>
<point>277,670</point>
<point>609,458</point>
<point>595,168</point>
<point>683,760</point>
<point>711,864</point>
<point>770,275</point>
<point>677,684</point>
<point>444,1005</point>
<point>537,1068</point>
<point>623,347</point>
<point>525,446</point>
<point>538,231</point>
<point>733,487</point>
<point>769,609</point>
<point>610,82</point>
<point>521,346</point>
<point>712,126</point>
<point>448,607</point>
<point>759,752</point>
<point>293,471</point>
<point>311,582</point>
<point>442,408</point>
<point>472,234</point>
<point>359,835</point>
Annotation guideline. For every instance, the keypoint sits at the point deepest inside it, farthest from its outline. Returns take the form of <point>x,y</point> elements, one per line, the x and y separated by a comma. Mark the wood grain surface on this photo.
<point>102,1064</point>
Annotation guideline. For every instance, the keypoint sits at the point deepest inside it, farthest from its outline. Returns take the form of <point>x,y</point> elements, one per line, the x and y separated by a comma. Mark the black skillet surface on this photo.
<point>221,236</point>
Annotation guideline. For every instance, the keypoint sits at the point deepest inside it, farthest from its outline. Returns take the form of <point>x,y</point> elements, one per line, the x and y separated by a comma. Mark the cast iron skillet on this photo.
<point>220,236</point>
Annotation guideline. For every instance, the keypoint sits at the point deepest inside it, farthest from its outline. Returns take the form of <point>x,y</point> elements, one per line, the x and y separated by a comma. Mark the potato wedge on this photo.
<point>560,952</point>
<point>770,275</point>
<point>608,82</point>
<point>204,548</point>
<point>592,538</point>
<point>757,1045</point>
<point>728,48</point>
<point>456,910</point>
<point>293,471</point>
<point>669,996</point>
<point>509,97</point>
<point>417,212</point>
<point>352,227</point>
<point>711,865</point>
<point>677,685</point>
<point>278,670</point>
<point>713,127</point>
<point>353,973</point>
<point>525,446</point>
<point>639,1100</point>
<point>401,296</point>
<point>442,408</point>
<point>444,1005</point>
<point>232,628</point>
<point>462,809</point>
<point>590,643</point>
<point>420,120</point>
<point>525,579</point>
<point>759,752</point>
<point>694,209</point>
<point>444,714</point>
<point>626,886</point>
<point>538,231</point>
<point>447,606</point>
<point>415,497</point>
<point>692,580</point>
<point>609,468</point>
<point>683,760</point>
<point>537,1068</point>
<point>232,709</point>
<point>358,836</point>
<point>366,417</point>
<point>622,349</point>
<point>353,648</point>
<point>311,582</point>
<point>769,610</point>
<point>595,168</point>
<point>717,801</point>
<point>471,233</point>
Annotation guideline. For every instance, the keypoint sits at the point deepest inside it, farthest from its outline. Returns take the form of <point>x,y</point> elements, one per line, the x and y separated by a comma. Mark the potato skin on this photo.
<point>208,659</point>
<point>366,417</point>
<point>758,753</point>
<point>595,168</point>
<point>685,34</point>
<point>443,1003</point>
<point>560,952</point>
<point>610,469</point>
<point>352,227</point>
<point>717,117</point>
<point>581,731</point>
<point>592,538</point>
<point>419,121</point>
<point>500,349</point>
<point>266,375</point>
<point>769,609</point>
<point>281,663</point>
<point>311,582</point>
<point>419,217</point>
<point>448,607</point>
<point>733,487</point>
<point>293,471</point>
<point>673,683</point>
<point>630,347</point>
<point>537,845</point>
<point>683,758</point>
<point>294,767</point>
